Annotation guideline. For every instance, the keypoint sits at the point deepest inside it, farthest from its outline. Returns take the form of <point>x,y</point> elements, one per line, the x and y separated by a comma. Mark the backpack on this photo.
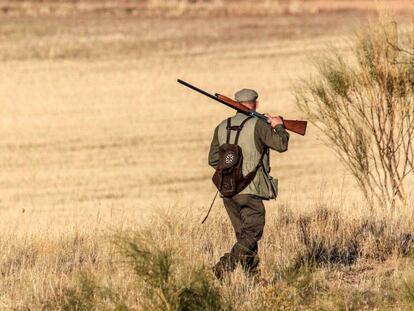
<point>228,177</point>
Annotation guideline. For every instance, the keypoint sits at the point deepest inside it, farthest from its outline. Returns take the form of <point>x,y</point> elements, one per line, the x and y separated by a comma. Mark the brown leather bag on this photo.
<point>228,177</point>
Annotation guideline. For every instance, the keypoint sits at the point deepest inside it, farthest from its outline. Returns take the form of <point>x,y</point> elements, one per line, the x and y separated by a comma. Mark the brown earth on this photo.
<point>190,8</point>
<point>85,96</point>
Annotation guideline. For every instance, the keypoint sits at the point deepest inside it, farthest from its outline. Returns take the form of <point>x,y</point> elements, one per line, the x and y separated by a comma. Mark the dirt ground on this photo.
<point>95,125</point>
<point>180,8</point>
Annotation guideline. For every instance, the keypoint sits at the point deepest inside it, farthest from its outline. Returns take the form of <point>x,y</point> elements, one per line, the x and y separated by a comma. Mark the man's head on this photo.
<point>247,98</point>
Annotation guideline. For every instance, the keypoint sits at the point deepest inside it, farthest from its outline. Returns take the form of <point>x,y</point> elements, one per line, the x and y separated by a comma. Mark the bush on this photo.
<point>364,105</point>
<point>86,294</point>
<point>165,286</point>
<point>328,238</point>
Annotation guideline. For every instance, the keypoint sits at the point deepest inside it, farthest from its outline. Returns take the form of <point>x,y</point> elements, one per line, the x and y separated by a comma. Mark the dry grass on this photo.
<point>96,142</point>
<point>318,259</point>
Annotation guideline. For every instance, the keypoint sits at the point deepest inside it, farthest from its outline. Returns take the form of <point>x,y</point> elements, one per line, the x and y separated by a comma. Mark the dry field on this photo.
<point>98,138</point>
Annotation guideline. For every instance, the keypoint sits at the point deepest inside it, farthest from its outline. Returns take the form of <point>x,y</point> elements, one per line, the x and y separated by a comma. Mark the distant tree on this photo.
<point>364,105</point>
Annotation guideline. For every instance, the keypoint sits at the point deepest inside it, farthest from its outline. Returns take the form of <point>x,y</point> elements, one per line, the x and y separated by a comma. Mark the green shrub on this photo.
<point>86,294</point>
<point>364,106</point>
<point>165,286</point>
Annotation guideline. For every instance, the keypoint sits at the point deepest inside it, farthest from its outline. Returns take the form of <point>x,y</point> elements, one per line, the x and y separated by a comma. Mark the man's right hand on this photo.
<point>274,120</point>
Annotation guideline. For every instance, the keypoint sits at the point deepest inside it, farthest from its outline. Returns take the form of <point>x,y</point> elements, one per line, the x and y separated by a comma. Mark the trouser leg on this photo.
<point>233,209</point>
<point>252,215</point>
<point>247,216</point>
<point>228,261</point>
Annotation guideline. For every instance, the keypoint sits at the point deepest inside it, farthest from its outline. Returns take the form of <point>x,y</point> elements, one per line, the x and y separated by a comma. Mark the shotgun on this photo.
<point>295,126</point>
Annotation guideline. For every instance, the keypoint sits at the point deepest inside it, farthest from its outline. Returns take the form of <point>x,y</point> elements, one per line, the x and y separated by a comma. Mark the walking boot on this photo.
<point>226,264</point>
<point>251,266</point>
<point>248,259</point>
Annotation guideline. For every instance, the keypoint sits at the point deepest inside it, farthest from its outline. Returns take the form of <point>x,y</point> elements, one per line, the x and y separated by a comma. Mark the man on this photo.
<point>245,209</point>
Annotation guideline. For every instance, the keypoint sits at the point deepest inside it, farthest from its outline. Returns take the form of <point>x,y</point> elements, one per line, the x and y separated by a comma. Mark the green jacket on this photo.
<point>257,136</point>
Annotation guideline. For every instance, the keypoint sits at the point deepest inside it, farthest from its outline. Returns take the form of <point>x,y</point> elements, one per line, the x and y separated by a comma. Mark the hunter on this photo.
<point>245,209</point>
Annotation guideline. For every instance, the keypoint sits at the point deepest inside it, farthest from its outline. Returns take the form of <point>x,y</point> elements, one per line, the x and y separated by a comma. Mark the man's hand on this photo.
<point>274,121</point>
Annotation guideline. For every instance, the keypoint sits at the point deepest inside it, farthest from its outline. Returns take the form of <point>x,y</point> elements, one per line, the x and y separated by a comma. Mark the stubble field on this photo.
<point>98,138</point>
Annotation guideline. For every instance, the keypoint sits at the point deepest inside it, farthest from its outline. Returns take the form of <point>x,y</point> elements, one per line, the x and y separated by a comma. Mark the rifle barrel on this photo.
<point>198,90</point>
<point>204,93</point>
<point>295,126</point>
<point>246,112</point>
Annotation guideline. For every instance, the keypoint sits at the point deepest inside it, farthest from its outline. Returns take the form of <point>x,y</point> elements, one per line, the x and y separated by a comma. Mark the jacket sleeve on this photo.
<point>213,155</point>
<point>275,138</point>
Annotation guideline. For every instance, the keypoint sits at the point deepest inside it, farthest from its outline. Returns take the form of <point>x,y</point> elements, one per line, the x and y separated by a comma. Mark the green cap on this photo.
<point>246,95</point>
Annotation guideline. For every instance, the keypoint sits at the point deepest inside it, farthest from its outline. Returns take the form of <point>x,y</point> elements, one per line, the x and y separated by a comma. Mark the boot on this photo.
<point>251,266</point>
<point>247,258</point>
<point>227,263</point>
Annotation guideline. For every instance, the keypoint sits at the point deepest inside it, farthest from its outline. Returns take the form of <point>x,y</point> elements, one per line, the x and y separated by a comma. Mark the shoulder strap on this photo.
<point>260,163</point>
<point>265,150</point>
<point>240,128</point>
<point>228,128</point>
<point>237,128</point>
<point>250,176</point>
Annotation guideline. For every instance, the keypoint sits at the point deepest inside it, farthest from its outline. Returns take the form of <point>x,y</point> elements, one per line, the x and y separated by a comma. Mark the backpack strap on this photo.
<point>236,128</point>
<point>250,176</point>
<point>228,128</point>
<point>260,161</point>
<point>265,150</point>
<point>240,127</point>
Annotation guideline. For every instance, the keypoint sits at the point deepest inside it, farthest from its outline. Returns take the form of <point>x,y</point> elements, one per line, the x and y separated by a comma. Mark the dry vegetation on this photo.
<point>365,105</point>
<point>100,146</point>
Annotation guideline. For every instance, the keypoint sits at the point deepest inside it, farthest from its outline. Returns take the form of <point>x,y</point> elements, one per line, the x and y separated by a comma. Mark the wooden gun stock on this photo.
<point>295,126</point>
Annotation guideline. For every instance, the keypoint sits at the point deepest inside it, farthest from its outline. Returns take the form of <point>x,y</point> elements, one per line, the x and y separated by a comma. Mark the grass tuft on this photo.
<point>86,294</point>
<point>166,287</point>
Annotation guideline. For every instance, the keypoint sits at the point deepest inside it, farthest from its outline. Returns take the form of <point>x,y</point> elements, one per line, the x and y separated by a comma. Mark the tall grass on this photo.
<point>166,285</point>
<point>328,259</point>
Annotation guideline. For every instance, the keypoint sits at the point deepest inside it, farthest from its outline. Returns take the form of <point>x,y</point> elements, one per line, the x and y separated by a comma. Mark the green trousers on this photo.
<point>247,216</point>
